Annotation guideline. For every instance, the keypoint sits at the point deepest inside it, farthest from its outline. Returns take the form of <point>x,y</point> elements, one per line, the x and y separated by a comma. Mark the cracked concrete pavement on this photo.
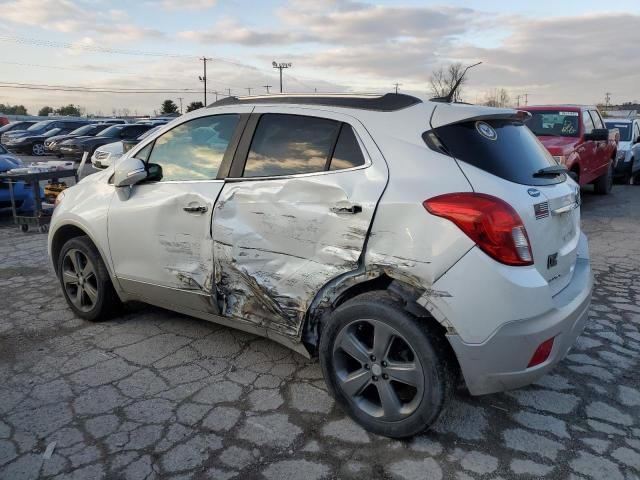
<point>153,394</point>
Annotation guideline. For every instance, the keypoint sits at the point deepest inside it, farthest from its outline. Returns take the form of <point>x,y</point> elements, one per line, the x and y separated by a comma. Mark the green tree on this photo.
<point>69,110</point>
<point>13,109</point>
<point>168,106</point>
<point>194,106</point>
<point>45,111</point>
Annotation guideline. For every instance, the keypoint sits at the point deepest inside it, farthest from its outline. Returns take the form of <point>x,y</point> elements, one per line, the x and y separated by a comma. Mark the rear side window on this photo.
<point>597,121</point>
<point>290,144</point>
<point>347,153</point>
<point>505,148</point>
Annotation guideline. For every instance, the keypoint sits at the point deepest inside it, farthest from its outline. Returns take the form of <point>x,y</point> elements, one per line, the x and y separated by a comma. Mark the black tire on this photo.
<point>603,185</point>
<point>103,302</point>
<point>428,352</point>
<point>37,149</point>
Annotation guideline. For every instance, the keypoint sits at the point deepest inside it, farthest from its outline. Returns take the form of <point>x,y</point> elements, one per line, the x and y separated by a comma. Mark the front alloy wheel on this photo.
<point>79,280</point>
<point>38,149</point>
<point>377,368</point>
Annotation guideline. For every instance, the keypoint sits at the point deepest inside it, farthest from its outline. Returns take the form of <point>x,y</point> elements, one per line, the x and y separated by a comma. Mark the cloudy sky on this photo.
<point>554,50</point>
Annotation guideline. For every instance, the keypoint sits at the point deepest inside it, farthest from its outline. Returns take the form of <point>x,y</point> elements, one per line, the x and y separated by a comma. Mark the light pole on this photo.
<point>267,87</point>
<point>281,66</point>
<point>204,77</point>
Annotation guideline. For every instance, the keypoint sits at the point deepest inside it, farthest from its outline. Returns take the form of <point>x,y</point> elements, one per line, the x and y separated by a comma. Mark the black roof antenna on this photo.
<point>451,94</point>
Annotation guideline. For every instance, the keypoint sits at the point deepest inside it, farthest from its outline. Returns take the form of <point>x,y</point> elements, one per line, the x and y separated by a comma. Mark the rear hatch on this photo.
<point>501,157</point>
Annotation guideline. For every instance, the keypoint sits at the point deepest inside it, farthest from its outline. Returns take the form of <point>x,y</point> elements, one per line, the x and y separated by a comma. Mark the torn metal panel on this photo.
<point>277,242</point>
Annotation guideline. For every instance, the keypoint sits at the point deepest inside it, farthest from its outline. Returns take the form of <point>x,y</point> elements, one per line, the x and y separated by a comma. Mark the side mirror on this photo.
<point>637,140</point>
<point>129,172</point>
<point>598,135</point>
<point>154,172</point>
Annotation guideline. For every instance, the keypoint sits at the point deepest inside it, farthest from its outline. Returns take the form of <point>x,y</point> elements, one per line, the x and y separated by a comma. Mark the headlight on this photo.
<point>561,159</point>
<point>58,199</point>
<point>621,154</point>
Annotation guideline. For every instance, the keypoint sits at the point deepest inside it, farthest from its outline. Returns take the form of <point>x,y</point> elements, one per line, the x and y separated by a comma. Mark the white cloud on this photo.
<point>187,4</point>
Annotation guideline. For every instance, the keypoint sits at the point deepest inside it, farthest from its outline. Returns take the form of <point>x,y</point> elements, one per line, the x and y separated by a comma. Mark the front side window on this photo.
<point>588,122</point>
<point>195,149</point>
<point>290,144</point>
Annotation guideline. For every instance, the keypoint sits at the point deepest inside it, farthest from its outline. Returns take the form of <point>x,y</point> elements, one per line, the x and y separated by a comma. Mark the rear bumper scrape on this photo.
<point>500,362</point>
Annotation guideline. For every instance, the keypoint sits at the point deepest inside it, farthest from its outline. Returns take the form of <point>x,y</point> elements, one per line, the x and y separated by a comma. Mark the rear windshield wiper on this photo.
<point>551,171</point>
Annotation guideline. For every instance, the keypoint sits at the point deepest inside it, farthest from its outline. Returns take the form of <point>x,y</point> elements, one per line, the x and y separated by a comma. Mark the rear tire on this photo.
<point>603,185</point>
<point>396,385</point>
<point>85,281</point>
<point>38,149</point>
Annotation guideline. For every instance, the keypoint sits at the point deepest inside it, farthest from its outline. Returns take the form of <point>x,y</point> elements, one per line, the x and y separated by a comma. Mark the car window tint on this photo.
<point>588,123</point>
<point>597,121</point>
<point>347,153</point>
<point>195,149</point>
<point>290,144</point>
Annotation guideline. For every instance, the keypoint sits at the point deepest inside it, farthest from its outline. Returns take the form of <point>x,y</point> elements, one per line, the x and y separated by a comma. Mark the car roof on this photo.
<point>388,102</point>
<point>569,107</point>
<point>620,120</point>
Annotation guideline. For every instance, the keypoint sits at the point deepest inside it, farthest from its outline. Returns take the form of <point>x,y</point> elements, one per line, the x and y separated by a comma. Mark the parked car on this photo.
<point>12,140</point>
<point>396,239</point>
<point>106,155</point>
<point>75,147</point>
<point>3,120</point>
<point>22,193</point>
<point>52,144</point>
<point>627,164</point>
<point>15,126</point>
<point>577,137</point>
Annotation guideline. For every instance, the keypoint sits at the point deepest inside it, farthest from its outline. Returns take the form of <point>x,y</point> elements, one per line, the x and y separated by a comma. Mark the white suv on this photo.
<point>403,242</point>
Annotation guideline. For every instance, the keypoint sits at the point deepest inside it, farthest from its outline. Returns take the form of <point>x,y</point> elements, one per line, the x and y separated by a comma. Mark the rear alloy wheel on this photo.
<point>85,281</point>
<point>38,149</point>
<point>603,185</point>
<point>384,367</point>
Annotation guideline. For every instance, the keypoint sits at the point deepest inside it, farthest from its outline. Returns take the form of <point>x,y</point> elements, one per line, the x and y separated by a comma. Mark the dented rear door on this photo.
<point>285,226</point>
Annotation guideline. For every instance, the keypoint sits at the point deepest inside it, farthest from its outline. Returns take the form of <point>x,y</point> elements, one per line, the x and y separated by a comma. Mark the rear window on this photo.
<point>554,123</point>
<point>504,148</point>
<point>625,130</point>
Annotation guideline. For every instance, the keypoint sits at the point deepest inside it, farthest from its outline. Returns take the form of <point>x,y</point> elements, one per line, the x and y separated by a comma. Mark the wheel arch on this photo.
<point>66,232</point>
<point>348,286</point>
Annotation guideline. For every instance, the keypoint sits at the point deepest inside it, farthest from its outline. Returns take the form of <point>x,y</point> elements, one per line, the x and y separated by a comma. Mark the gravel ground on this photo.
<point>153,394</point>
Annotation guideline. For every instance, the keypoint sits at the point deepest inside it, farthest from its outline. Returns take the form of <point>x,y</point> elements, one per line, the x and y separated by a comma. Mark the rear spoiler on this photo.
<point>441,116</point>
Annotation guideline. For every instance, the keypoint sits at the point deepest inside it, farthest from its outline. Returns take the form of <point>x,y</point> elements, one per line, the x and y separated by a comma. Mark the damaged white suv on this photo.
<point>403,242</point>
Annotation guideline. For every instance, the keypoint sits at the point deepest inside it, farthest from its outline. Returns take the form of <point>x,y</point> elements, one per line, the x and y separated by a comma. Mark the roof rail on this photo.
<point>388,102</point>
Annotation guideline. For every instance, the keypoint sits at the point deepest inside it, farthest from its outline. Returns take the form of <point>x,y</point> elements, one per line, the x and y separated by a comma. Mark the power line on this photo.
<point>61,88</point>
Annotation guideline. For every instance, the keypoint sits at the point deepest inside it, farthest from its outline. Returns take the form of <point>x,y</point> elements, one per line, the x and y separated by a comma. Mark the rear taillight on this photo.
<point>490,222</point>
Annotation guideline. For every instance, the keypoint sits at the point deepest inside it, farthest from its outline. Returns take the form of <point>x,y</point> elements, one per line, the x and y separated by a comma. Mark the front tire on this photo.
<point>603,185</point>
<point>38,149</point>
<point>384,367</point>
<point>85,281</point>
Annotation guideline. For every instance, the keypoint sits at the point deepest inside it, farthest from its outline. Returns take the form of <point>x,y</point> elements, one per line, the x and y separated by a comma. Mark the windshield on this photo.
<point>554,123</point>
<point>113,131</point>
<point>39,126</point>
<point>86,129</point>
<point>625,130</point>
<point>3,150</point>
<point>52,132</point>
<point>147,133</point>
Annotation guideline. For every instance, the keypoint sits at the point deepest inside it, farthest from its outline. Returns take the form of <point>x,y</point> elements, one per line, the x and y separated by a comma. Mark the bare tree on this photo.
<point>442,81</point>
<point>497,98</point>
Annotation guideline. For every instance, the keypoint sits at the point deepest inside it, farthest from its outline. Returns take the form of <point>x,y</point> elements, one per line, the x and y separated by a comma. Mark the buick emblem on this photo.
<point>533,192</point>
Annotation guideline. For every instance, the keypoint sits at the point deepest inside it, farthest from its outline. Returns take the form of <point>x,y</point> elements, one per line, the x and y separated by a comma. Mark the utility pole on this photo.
<point>281,66</point>
<point>518,101</point>
<point>229,91</point>
<point>248,89</point>
<point>267,87</point>
<point>204,77</point>
<point>216,93</point>
<point>526,99</point>
<point>397,85</point>
<point>180,98</point>
<point>607,100</point>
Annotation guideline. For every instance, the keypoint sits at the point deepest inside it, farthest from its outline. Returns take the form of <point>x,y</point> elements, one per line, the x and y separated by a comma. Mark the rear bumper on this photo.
<point>500,362</point>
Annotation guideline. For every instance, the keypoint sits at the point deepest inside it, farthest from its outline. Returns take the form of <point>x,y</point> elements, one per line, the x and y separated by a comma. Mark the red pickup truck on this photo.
<point>577,137</point>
